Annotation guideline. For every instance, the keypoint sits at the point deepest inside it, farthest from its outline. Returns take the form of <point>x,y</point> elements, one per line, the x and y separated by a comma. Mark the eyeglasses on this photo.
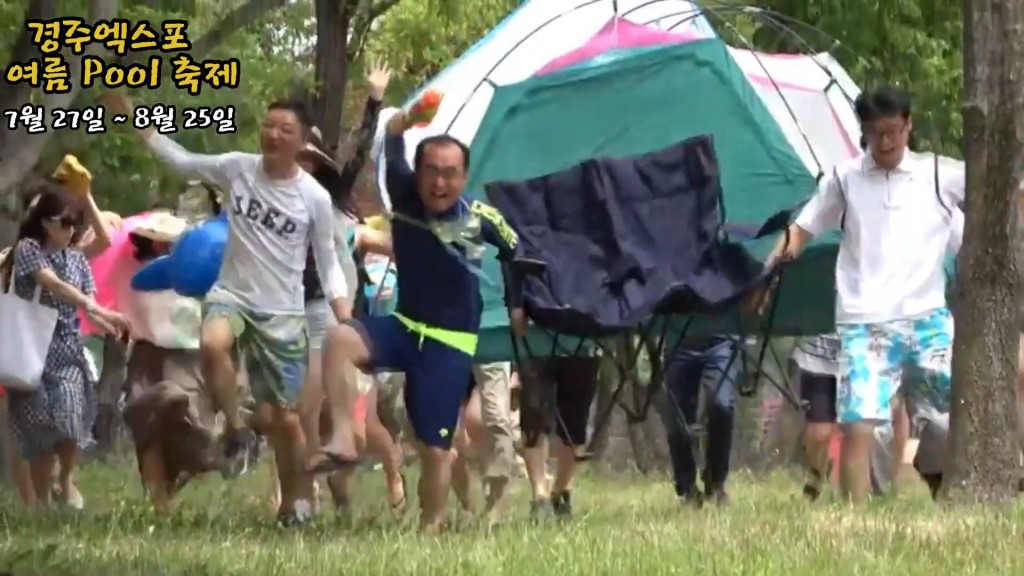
<point>892,134</point>
<point>447,173</point>
<point>65,221</point>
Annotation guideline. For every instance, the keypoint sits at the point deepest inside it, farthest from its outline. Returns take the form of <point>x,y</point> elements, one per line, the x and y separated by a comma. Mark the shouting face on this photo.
<point>887,139</point>
<point>441,176</point>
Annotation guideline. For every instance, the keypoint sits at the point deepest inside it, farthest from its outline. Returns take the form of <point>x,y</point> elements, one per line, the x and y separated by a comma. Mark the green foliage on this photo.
<point>130,178</point>
<point>11,14</point>
<point>275,60</point>
<point>915,44</point>
<point>420,37</point>
<point>625,524</point>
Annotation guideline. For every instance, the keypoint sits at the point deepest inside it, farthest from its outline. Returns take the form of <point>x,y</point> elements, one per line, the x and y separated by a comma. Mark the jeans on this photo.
<point>713,366</point>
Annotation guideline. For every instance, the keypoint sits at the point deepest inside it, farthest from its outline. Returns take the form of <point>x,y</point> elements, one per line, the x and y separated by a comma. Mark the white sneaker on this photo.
<point>73,499</point>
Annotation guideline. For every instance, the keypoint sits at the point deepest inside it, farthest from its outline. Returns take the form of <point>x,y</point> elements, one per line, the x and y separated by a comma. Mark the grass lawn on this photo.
<point>624,525</point>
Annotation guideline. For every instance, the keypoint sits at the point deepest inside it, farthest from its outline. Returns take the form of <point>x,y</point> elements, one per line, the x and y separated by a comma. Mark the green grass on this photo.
<point>624,525</point>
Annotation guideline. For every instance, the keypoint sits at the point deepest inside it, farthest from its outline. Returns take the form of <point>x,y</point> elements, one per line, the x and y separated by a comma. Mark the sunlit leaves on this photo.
<point>438,30</point>
<point>915,44</point>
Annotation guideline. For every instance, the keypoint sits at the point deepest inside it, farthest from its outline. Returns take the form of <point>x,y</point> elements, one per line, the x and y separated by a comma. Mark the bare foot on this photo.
<point>396,495</point>
<point>433,528</point>
<point>327,462</point>
<point>495,491</point>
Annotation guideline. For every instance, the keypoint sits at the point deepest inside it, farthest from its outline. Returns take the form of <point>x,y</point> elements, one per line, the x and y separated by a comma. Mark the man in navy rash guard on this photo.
<point>432,336</point>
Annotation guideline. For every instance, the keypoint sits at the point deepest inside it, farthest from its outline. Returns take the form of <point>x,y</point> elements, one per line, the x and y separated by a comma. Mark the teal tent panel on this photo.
<point>639,103</point>
<point>495,340</point>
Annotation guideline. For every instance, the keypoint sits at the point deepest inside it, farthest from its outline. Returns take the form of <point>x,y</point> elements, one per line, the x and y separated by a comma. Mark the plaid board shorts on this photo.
<point>275,350</point>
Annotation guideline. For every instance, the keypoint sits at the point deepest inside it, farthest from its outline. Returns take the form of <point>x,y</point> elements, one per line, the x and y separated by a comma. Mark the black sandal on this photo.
<point>328,462</point>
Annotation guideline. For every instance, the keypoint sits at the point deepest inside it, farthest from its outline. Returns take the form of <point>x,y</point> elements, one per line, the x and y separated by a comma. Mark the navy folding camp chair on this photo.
<point>613,251</point>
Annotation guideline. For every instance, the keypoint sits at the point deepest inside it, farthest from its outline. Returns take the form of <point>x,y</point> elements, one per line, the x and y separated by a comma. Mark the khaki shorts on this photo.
<point>149,364</point>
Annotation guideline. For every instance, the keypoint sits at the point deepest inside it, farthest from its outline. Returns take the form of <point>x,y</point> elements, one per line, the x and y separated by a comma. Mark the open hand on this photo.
<point>112,220</point>
<point>116,102</point>
<point>756,303</point>
<point>378,78</point>
<point>111,322</point>
<point>75,177</point>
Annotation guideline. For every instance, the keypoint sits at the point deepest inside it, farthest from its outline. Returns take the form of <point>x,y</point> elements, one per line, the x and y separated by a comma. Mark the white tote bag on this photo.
<point>26,330</point>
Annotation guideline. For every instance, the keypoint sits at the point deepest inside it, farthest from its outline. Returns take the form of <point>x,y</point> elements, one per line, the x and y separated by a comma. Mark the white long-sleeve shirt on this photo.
<point>271,224</point>
<point>895,237</point>
<point>956,233</point>
<point>345,231</point>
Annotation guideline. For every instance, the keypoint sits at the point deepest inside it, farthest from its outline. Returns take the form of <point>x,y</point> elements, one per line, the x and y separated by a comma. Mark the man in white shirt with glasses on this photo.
<point>896,210</point>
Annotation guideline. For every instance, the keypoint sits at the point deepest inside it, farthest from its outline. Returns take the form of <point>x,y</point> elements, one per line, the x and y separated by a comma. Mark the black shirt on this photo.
<point>339,186</point>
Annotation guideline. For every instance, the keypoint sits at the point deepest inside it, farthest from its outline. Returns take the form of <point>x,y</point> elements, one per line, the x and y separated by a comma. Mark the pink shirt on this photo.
<point>113,266</point>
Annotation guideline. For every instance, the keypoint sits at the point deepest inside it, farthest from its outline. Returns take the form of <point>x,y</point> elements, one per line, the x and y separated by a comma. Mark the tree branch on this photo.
<point>20,150</point>
<point>24,50</point>
<point>238,18</point>
<point>380,7</point>
<point>366,12</point>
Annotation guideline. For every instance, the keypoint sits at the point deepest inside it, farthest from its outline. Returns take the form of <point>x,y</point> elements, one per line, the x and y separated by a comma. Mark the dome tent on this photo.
<point>561,81</point>
<point>519,46</point>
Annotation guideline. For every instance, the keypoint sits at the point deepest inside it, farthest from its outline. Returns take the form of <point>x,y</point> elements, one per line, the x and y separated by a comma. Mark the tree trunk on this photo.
<point>984,449</point>
<point>606,383</point>
<point>20,150</point>
<point>332,26</point>
<point>23,50</point>
<point>109,426</point>
<point>6,447</point>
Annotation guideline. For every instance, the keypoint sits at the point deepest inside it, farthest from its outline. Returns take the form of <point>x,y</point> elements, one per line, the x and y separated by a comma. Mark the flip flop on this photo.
<point>328,462</point>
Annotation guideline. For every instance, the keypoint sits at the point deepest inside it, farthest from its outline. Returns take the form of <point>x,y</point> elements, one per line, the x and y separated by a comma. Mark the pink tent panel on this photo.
<point>770,84</point>
<point>620,33</point>
<point>617,33</point>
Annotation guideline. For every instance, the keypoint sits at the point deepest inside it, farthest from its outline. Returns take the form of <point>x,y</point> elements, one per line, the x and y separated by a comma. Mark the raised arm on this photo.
<point>350,171</point>
<point>102,226</point>
<point>377,80</point>
<point>213,168</point>
<point>78,181</point>
<point>822,213</point>
<point>399,177</point>
<point>332,278</point>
